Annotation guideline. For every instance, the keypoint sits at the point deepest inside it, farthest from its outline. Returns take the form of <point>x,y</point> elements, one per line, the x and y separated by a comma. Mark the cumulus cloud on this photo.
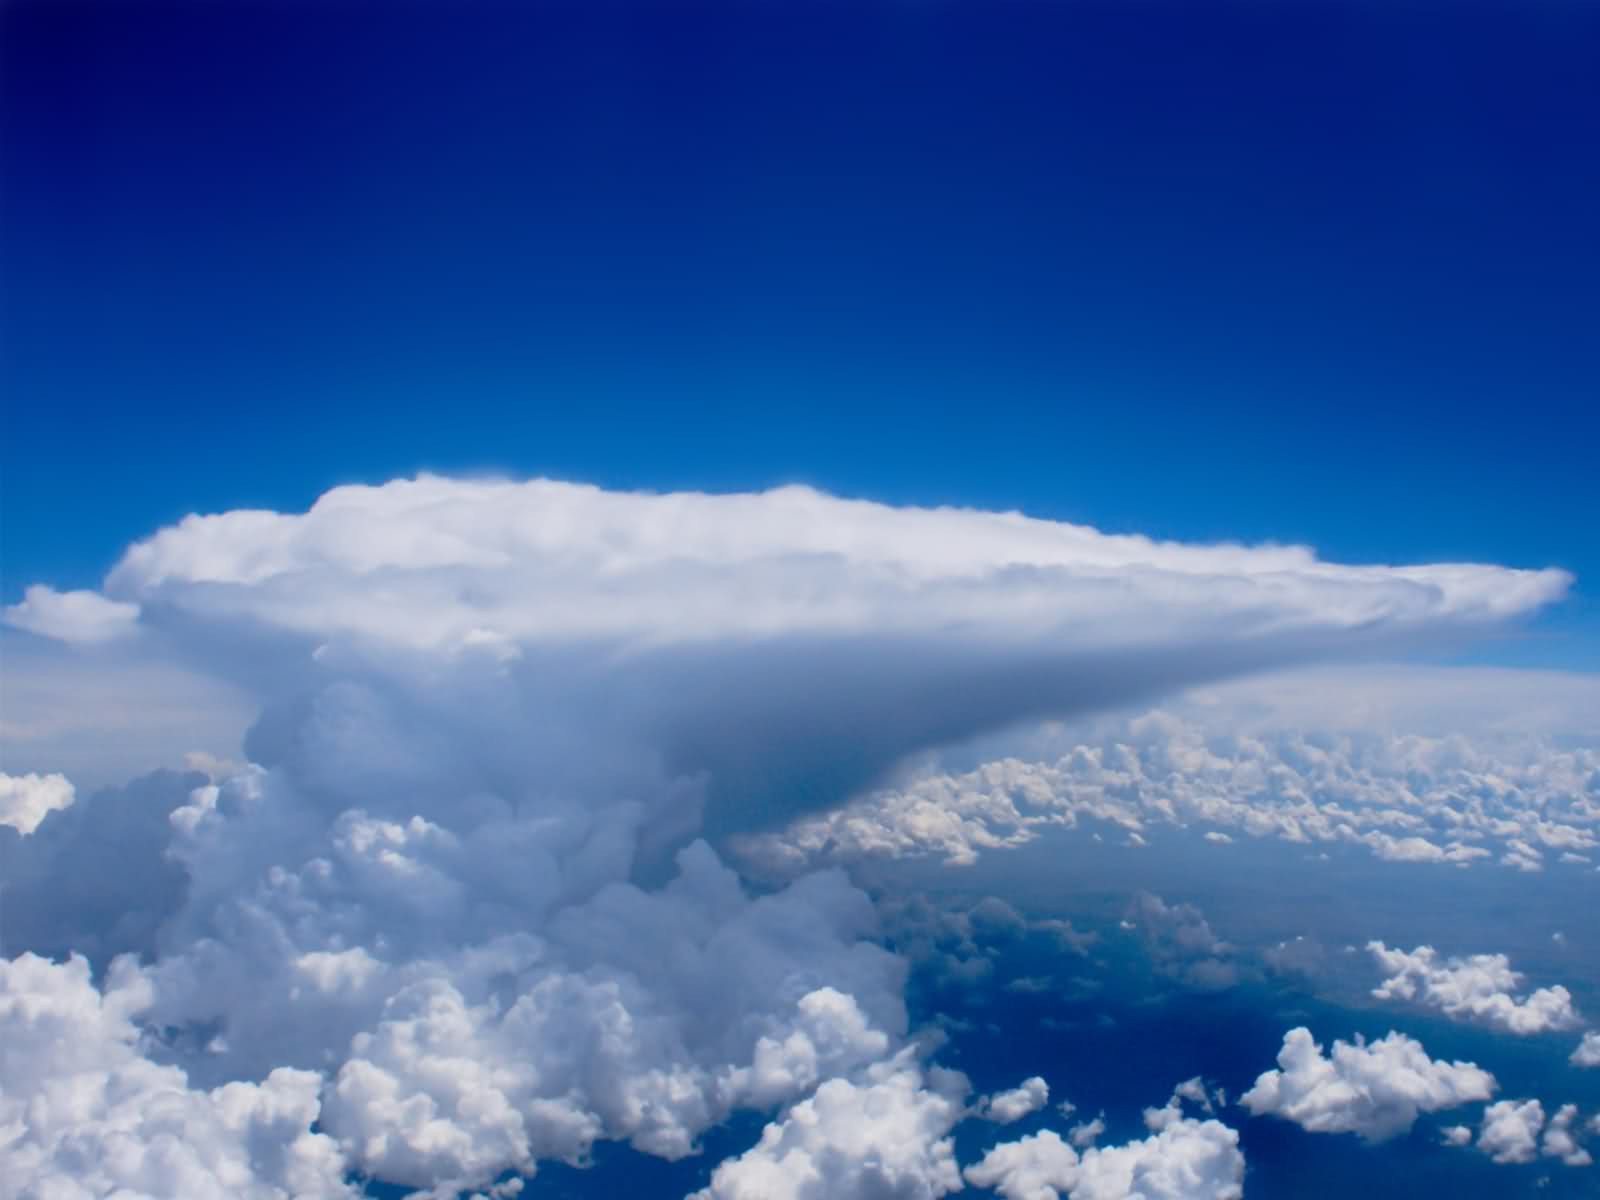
<point>462,909</point>
<point>1510,1131</point>
<point>1477,988</point>
<point>884,1134</point>
<point>1012,1105</point>
<point>26,800</point>
<point>1372,1089</point>
<point>83,1112</point>
<point>1588,1052</point>
<point>1184,1158</point>
<point>1561,1142</point>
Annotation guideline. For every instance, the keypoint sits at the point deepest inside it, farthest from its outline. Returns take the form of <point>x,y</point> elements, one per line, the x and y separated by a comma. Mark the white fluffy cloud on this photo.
<point>1015,1103</point>
<point>1477,988</point>
<point>883,1135</point>
<point>83,1111</point>
<point>26,800</point>
<point>1372,1089</point>
<point>1184,1158</point>
<point>1510,1131</point>
<point>1588,1052</point>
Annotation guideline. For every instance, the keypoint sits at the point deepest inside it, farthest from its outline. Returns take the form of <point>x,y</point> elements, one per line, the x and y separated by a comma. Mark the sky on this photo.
<point>1317,273</point>
<point>799,602</point>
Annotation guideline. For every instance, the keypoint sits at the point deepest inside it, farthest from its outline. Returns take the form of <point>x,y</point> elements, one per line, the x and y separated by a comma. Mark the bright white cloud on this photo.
<point>1477,988</point>
<point>1012,1105</point>
<point>26,800</point>
<point>1510,1131</point>
<point>1588,1052</point>
<point>884,1134</point>
<point>1372,1089</point>
<point>84,1113</point>
<point>83,618</point>
<point>1184,1158</point>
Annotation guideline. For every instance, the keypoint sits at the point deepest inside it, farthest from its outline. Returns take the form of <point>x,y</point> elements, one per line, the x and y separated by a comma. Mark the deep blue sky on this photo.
<point>1298,271</point>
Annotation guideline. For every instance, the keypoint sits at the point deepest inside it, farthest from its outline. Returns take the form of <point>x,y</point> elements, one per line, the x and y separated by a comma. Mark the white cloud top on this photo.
<point>1375,1090</point>
<point>543,559</point>
<point>1012,1105</point>
<point>885,1134</point>
<point>1510,1131</point>
<point>1476,988</point>
<point>26,800</point>
<point>1184,1158</point>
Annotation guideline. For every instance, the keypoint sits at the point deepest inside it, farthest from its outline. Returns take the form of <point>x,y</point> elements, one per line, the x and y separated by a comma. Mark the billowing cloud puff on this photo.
<point>884,1134</point>
<point>1184,1158</point>
<point>26,800</point>
<point>84,1113</point>
<point>1375,1090</point>
<point>1477,988</point>
<point>1510,1131</point>
<point>1588,1052</point>
<point>1015,1103</point>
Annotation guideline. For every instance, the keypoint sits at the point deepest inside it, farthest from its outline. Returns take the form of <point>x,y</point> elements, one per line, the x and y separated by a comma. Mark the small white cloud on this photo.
<point>1560,1142</point>
<point>1477,988</point>
<point>1588,1052</point>
<point>1510,1131</point>
<point>26,800</point>
<point>84,618</point>
<point>1183,1159</point>
<point>1456,1135</point>
<point>1375,1090</point>
<point>1018,1102</point>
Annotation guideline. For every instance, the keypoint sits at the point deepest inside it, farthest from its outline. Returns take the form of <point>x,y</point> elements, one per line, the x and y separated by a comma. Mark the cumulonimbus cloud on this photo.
<point>459,891</point>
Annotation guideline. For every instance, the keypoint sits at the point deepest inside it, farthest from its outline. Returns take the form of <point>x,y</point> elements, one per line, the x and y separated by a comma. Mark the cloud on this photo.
<point>1510,1131</point>
<point>1184,1158</point>
<point>1375,1090</point>
<point>885,1134</point>
<point>1012,1105</point>
<point>84,1112</point>
<point>1588,1052</point>
<point>1560,1142</point>
<point>463,907</point>
<point>1182,944</point>
<point>1447,800</point>
<point>1478,988</point>
<point>26,800</point>
<point>79,618</point>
